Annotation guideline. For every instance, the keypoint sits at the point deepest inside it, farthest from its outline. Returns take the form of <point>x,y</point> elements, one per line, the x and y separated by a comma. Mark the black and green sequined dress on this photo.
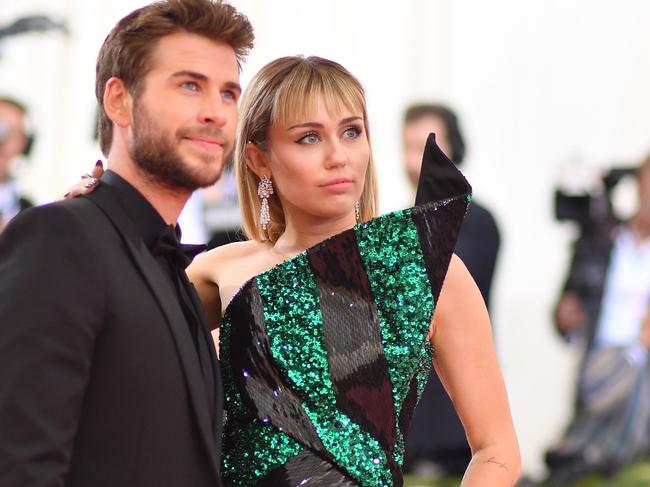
<point>325,355</point>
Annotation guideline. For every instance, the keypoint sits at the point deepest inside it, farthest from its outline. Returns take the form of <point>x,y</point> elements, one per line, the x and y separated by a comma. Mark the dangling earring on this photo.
<point>357,211</point>
<point>264,190</point>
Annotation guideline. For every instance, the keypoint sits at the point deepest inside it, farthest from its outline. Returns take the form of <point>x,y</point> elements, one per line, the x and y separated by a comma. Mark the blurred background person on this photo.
<point>15,144</point>
<point>479,240</point>
<point>605,307</point>
<point>436,444</point>
<point>221,211</point>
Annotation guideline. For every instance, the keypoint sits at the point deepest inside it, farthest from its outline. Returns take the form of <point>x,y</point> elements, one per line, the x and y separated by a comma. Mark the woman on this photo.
<point>325,315</point>
<point>305,174</point>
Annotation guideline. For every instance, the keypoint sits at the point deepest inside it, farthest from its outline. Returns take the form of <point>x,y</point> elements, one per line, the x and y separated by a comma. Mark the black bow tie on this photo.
<point>167,244</point>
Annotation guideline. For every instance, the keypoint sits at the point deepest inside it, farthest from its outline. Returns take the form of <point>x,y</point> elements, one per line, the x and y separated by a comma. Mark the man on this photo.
<point>108,376</point>
<point>15,140</point>
<point>606,302</point>
<point>436,442</point>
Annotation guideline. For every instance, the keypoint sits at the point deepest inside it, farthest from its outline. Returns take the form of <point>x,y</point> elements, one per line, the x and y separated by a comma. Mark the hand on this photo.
<point>88,182</point>
<point>569,314</point>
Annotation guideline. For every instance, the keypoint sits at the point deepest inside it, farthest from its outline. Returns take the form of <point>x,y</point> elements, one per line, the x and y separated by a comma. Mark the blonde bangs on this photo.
<point>298,95</point>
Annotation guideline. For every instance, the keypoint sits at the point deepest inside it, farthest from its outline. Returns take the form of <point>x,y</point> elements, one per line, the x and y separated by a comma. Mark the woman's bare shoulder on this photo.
<point>228,254</point>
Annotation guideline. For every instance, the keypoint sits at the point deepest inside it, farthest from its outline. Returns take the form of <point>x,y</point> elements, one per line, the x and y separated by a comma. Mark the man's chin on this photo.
<point>212,179</point>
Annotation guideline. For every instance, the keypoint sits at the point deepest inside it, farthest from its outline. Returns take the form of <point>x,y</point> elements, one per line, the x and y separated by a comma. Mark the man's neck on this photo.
<point>641,229</point>
<point>168,202</point>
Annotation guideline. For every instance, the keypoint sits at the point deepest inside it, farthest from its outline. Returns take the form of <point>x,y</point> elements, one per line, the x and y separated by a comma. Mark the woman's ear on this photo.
<point>257,160</point>
<point>118,103</point>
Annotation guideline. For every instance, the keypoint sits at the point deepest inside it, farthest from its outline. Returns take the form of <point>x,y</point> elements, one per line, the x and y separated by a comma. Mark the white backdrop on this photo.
<point>537,84</point>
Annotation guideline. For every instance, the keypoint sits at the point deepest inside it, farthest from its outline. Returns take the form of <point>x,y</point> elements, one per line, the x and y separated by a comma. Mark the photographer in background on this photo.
<point>606,302</point>
<point>15,141</point>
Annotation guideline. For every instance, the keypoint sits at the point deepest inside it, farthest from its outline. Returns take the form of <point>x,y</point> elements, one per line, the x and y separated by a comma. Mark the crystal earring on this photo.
<point>264,190</point>
<point>357,211</point>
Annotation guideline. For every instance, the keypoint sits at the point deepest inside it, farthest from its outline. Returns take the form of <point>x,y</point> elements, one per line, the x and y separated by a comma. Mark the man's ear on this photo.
<point>118,103</point>
<point>257,160</point>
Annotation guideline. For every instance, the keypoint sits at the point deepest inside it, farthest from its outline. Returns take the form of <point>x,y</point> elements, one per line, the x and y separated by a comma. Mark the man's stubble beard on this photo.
<point>155,153</point>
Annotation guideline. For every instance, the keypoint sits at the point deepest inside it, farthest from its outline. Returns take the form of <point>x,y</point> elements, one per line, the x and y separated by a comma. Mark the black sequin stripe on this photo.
<point>257,377</point>
<point>308,470</point>
<point>440,179</point>
<point>408,408</point>
<point>353,340</point>
<point>438,229</point>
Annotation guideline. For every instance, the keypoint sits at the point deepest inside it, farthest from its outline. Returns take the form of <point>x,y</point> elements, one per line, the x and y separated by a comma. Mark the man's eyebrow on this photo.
<point>189,74</point>
<point>232,85</point>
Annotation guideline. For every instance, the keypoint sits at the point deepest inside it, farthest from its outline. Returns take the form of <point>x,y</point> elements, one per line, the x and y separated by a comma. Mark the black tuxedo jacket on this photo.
<point>24,203</point>
<point>100,383</point>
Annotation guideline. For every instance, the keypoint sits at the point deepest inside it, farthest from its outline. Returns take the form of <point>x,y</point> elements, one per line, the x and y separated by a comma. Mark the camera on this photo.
<point>592,210</point>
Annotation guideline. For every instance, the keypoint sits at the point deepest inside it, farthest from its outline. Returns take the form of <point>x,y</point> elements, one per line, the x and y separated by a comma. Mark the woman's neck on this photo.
<point>303,233</point>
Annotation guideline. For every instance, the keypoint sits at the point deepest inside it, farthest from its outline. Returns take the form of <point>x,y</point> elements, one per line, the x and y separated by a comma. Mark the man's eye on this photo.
<point>190,85</point>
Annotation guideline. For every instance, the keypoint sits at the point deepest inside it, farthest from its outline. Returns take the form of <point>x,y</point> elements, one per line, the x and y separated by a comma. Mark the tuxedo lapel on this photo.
<point>168,301</point>
<point>217,422</point>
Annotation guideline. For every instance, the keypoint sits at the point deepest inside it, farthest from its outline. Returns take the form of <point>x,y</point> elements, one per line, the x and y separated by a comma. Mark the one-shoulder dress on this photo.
<point>324,356</point>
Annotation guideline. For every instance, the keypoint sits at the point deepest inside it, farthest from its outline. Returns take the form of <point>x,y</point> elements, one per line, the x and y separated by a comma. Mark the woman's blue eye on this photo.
<point>230,95</point>
<point>309,139</point>
<point>352,132</point>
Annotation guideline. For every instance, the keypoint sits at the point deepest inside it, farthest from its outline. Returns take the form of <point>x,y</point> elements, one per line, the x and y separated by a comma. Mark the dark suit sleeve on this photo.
<point>586,276</point>
<point>478,247</point>
<point>51,301</point>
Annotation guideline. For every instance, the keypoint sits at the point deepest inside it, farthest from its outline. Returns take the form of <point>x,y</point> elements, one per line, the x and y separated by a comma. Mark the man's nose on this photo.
<point>214,111</point>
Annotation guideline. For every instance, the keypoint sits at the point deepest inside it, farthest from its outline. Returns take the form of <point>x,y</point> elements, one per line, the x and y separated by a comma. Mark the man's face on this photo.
<point>414,136</point>
<point>12,137</point>
<point>185,116</point>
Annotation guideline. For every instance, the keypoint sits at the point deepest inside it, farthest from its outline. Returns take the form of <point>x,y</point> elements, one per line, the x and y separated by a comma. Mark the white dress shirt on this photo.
<point>626,297</point>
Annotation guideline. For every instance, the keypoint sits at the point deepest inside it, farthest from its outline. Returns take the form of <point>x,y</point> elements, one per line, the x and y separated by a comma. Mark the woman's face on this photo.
<point>318,164</point>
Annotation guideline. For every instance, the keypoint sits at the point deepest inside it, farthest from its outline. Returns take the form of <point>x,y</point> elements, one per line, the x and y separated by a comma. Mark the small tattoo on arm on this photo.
<point>494,460</point>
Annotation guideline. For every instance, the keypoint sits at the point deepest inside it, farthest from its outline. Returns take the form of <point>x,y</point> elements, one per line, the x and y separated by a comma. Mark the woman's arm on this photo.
<point>208,291</point>
<point>201,275</point>
<point>466,363</point>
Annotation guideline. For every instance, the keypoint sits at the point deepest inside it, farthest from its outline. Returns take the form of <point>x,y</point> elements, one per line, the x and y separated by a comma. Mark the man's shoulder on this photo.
<point>77,222</point>
<point>64,212</point>
<point>481,220</point>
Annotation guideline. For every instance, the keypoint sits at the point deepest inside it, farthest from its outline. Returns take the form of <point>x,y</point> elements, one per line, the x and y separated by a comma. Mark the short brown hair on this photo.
<point>283,90</point>
<point>126,52</point>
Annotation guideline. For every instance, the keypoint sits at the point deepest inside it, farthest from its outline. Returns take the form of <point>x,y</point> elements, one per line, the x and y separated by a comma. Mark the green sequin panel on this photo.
<point>295,327</point>
<point>254,451</point>
<point>390,248</point>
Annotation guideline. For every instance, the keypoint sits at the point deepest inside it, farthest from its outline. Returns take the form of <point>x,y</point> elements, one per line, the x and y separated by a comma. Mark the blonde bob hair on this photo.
<point>281,92</point>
